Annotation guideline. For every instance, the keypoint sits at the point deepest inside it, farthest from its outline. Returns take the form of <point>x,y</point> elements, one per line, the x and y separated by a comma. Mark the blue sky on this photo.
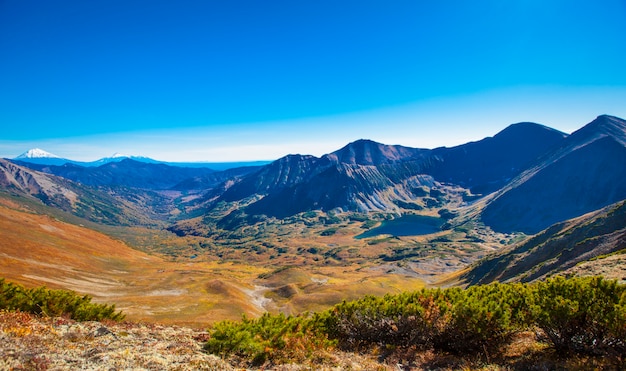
<point>256,80</point>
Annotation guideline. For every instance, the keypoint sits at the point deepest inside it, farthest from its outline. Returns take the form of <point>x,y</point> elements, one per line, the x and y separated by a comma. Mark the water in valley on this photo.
<point>406,225</point>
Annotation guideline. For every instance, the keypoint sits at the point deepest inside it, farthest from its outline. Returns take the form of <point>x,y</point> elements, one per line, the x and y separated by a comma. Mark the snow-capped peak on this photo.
<point>37,153</point>
<point>119,155</point>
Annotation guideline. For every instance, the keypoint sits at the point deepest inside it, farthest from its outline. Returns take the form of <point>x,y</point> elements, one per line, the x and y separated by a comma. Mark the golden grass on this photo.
<point>36,250</point>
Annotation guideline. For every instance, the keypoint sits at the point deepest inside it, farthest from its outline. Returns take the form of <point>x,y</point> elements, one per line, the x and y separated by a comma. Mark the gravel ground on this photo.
<point>29,342</point>
<point>33,343</point>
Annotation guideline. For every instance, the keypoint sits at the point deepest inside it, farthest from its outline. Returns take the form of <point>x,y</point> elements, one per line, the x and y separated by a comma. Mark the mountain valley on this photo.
<point>196,245</point>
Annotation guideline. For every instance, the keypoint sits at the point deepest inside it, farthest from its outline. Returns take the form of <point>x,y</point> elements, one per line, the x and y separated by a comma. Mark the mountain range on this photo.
<point>531,176</point>
<point>42,157</point>
<point>530,201</point>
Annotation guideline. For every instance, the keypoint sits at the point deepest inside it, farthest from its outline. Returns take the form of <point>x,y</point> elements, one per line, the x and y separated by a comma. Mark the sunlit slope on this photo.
<point>563,248</point>
<point>37,249</point>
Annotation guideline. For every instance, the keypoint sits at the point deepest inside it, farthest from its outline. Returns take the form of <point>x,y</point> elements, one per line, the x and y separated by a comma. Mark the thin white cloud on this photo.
<point>428,124</point>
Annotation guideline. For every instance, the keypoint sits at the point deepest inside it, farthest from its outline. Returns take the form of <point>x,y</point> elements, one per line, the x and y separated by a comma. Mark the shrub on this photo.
<point>54,303</point>
<point>391,320</point>
<point>581,315</point>
<point>270,338</point>
<point>455,320</point>
<point>480,319</point>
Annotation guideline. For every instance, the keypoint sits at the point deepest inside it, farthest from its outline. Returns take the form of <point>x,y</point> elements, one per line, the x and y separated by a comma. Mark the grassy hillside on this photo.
<point>561,247</point>
<point>36,249</point>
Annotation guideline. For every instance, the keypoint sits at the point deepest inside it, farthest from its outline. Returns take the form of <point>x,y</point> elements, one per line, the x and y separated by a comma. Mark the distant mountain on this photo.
<point>97,205</point>
<point>555,249</point>
<point>116,157</point>
<point>585,172</point>
<point>127,172</point>
<point>36,153</point>
<point>41,157</point>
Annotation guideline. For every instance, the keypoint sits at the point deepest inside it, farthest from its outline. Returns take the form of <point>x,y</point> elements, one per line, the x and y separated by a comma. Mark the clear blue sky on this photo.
<point>255,80</point>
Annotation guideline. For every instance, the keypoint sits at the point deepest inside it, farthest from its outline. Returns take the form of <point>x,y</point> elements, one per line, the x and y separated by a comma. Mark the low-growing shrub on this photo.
<point>454,320</point>
<point>54,303</point>
<point>270,338</point>
<point>581,315</point>
<point>481,319</point>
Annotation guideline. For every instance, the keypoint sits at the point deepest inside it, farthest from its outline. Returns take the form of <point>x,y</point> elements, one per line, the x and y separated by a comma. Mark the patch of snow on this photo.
<point>37,153</point>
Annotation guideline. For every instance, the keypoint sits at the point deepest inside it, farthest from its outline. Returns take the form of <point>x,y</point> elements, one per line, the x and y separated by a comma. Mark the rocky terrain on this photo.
<point>30,342</point>
<point>33,343</point>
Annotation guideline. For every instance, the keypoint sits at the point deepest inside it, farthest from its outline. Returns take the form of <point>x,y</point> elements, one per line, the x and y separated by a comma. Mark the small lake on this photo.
<point>407,225</point>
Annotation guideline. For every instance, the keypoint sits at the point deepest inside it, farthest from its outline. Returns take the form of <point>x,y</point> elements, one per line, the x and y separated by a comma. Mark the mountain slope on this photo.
<point>374,177</point>
<point>97,205</point>
<point>369,176</point>
<point>488,164</point>
<point>585,173</point>
<point>368,152</point>
<point>556,249</point>
<point>127,173</point>
<point>37,250</point>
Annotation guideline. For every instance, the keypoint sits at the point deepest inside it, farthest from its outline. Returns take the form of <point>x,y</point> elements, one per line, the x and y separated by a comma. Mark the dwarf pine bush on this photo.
<point>54,303</point>
<point>274,338</point>
<point>581,315</point>
<point>456,320</point>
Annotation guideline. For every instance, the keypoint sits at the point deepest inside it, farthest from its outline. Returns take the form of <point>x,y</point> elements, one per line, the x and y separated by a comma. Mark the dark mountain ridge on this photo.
<point>369,176</point>
<point>487,165</point>
<point>584,173</point>
<point>368,152</point>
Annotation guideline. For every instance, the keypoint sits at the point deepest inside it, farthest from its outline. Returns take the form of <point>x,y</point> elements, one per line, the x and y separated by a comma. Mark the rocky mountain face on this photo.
<point>585,172</point>
<point>98,205</point>
<point>368,176</point>
<point>368,152</point>
<point>487,165</point>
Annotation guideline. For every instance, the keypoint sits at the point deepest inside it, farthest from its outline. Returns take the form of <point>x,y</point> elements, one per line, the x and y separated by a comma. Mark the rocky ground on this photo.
<point>30,342</point>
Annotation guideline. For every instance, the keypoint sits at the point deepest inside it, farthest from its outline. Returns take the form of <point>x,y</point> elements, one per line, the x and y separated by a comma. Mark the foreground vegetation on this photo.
<point>54,303</point>
<point>575,317</point>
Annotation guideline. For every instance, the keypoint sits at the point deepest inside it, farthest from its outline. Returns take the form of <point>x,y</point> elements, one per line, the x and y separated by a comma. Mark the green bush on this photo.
<point>54,303</point>
<point>273,338</point>
<point>455,320</point>
<point>480,319</point>
<point>581,315</point>
<point>391,320</point>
